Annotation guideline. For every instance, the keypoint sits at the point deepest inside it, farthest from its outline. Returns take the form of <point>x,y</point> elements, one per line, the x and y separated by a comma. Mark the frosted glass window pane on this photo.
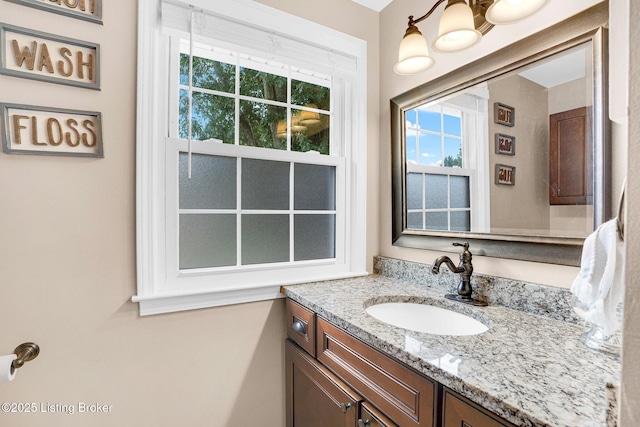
<point>265,239</point>
<point>314,237</point>
<point>265,184</point>
<point>414,220</point>
<point>460,221</point>
<point>437,221</point>
<point>212,184</point>
<point>414,191</point>
<point>314,187</point>
<point>207,241</point>
<point>460,192</point>
<point>436,190</point>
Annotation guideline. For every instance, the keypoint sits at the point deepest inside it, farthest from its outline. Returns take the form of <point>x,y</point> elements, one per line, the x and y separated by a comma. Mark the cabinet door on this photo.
<point>460,412</point>
<point>316,397</point>
<point>570,141</point>
<point>370,417</point>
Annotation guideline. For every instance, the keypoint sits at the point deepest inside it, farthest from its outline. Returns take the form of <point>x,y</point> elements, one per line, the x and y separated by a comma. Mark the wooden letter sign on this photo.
<point>41,56</point>
<point>88,10</point>
<point>41,130</point>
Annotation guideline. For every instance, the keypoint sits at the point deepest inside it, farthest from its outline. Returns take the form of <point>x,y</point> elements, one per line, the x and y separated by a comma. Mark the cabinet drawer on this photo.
<point>458,411</point>
<point>370,417</point>
<point>301,326</point>
<point>400,393</point>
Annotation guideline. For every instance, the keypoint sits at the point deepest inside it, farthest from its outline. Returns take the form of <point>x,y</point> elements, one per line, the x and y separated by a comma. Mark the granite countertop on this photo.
<point>530,369</point>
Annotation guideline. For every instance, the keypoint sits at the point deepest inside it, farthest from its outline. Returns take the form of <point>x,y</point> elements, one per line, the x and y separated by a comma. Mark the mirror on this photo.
<point>510,152</point>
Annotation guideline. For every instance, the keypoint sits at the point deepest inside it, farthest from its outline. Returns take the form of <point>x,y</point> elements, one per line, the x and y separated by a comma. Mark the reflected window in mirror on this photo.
<point>447,162</point>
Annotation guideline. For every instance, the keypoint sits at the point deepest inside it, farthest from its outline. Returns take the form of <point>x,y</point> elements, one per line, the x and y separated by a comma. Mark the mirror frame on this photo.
<point>589,25</point>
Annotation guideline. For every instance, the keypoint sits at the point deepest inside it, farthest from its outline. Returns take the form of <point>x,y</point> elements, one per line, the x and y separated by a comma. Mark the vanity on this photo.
<point>346,368</point>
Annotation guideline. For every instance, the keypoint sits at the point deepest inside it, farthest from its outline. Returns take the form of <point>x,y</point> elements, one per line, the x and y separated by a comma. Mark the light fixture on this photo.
<point>462,26</point>
<point>511,11</point>
<point>309,118</point>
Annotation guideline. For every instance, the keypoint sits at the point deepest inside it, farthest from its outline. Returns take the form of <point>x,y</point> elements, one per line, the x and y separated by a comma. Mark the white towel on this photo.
<point>600,282</point>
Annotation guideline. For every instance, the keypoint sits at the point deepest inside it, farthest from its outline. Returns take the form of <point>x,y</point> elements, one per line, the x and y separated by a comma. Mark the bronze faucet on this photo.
<point>465,268</point>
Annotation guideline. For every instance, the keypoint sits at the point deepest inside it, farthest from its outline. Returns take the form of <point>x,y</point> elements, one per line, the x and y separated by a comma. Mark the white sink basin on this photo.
<point>426,318</point>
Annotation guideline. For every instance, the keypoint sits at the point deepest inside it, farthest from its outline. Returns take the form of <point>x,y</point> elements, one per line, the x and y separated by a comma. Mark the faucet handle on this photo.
<point>465,245</point>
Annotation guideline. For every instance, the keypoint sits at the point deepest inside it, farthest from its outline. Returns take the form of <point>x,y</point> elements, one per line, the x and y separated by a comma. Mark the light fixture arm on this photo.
<point>412,21</point>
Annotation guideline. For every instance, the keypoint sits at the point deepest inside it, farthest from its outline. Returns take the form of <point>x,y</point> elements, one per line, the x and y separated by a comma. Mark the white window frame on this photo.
<point>162,289</point>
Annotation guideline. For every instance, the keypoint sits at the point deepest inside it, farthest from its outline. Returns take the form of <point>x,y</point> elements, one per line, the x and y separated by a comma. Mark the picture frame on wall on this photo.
<point>505,144</point>
<point>505,175</point>
<point>86,10</point>
<point>504,114</point>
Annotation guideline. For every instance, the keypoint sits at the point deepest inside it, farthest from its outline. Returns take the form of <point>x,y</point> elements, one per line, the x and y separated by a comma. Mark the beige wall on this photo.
<point>630,393</point>
<point>524,205</point>
<point>67,263</point>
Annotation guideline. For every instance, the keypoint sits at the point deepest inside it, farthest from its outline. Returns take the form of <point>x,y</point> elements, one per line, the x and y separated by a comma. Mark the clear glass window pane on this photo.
<point>429,120</point>
<point>437,221</point>
<point>414,220</point>
<point>208,74</point>
<point>414,191</point>
<point>259,125</point>
<point>460,192</point>
<point>314,187</point>
<point>430,149</point>
<point>263,85</point>
<point>309,131</point>
<point>452,152</point>
<point>213,117</point>
<point>460,221</point>
<point>452,125</point>
<point>311,95</point>
<point>411,147</point>
<point>411,119</point>
<point>212,184</point>
<point>265,184</point>
<point>265,239</point>
<point>314,237</point>
<point>207,241</point>
<point>436,191</point>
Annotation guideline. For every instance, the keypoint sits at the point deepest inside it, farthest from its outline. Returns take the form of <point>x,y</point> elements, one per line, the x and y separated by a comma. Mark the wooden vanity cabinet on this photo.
<point>339,381</point>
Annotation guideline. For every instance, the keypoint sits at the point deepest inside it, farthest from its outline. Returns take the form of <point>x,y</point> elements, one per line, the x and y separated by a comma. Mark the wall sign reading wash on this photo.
<point>29,129</point>
<point>88,10</point>
<point>41,56</point>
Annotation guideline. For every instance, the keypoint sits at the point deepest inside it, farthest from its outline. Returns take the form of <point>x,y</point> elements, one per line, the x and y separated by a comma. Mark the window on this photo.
<point>250,155</point>
<point>444,146</point>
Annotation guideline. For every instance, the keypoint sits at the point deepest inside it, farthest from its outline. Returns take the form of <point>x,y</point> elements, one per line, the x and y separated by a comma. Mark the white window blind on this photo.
<point>252,39</point>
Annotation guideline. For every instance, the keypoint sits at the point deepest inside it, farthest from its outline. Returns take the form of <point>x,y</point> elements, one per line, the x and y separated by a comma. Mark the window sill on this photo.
<point>169,303</point>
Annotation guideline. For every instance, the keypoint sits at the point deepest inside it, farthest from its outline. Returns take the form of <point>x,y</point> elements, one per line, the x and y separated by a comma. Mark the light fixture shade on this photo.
<point>309,118</point>
<point>413,54</point>
<point>510,11</point>
<point>457,30</point>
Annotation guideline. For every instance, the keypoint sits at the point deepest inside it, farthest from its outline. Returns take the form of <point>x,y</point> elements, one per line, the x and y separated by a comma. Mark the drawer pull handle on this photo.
<point>363,423</point>
<point>298,326</point>
<point>345,407</point>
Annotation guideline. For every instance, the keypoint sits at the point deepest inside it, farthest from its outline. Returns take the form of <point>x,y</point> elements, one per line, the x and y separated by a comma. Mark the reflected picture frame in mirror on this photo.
<point>557,246</point>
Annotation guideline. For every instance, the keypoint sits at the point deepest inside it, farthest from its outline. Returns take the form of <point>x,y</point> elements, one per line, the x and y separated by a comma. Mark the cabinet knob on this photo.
<point>363,423</point>
<point>299,327</point>
<point>345,407</point>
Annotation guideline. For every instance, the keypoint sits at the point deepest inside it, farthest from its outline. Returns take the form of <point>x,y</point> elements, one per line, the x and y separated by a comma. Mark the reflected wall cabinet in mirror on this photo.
<point>511,152</point>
